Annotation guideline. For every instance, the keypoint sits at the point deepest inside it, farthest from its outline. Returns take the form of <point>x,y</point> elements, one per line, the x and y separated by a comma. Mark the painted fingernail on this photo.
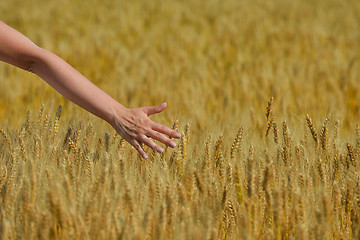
<point>172,144</point>
<point>145,155</point>
<point>177,135</point>
<point>160,149</point>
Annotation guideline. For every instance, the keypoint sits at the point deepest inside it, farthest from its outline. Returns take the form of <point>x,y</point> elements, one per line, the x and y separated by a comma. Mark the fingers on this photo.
<point>146,140</point>
<point>152,145</point>
<point>162,138</point>
<point>155,109</point>
<point>137,128</point>
<point>139,148</point>
<point>165,130</point>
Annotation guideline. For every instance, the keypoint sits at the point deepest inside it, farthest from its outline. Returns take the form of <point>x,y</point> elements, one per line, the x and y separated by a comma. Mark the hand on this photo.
<point>134,125</point>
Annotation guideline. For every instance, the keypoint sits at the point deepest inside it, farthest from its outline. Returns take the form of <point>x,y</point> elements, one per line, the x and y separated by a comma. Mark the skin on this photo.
<point>133,124</point>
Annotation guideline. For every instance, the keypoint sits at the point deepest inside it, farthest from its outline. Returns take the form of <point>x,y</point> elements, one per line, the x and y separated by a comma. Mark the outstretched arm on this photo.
<point>132,124</point>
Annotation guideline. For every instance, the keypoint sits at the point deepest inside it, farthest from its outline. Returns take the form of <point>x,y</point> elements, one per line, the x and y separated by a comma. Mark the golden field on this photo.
<point>246,167</point>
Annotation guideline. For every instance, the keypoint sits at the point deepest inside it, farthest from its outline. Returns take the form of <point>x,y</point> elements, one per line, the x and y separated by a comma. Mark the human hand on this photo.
<point>134,125</point>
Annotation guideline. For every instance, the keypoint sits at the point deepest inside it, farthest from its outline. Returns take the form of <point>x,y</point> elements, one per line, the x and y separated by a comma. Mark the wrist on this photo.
<point>116,111</point>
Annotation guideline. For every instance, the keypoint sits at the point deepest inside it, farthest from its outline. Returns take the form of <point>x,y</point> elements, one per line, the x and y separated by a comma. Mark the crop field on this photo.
<point>266,95</point>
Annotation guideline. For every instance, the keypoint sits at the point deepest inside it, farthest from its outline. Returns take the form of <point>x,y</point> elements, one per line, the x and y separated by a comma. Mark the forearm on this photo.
<point>133,125</point>
<point>73,85</point>
<point>19,51</point>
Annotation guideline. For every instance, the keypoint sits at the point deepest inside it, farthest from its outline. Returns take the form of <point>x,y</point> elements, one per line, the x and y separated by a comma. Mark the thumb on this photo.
<point>155,109</point>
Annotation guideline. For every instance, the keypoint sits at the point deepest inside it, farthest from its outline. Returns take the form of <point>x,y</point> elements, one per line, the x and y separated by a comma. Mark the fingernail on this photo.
<point>177,135</point>
<point>161,149</point>
<point>163,104</point>
<point>172,144</point>
<point>145,156</point>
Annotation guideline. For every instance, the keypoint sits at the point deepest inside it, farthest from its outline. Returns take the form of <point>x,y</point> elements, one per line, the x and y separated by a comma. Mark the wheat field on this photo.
<point>265,94</point>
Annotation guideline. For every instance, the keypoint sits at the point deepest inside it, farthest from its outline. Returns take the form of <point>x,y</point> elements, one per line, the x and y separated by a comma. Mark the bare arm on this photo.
<point>132,124</point>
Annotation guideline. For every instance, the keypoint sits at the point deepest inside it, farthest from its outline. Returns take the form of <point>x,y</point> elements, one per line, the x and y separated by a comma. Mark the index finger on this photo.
<point>166,130</point>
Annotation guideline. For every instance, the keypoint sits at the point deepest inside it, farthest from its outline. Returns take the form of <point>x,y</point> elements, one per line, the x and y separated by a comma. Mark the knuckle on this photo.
<point>152,146</point>
<point>147,141</point>
<point>158,135</point>
<point>136,146</point>
<point>148,132</point>
<point>134,135</point>
<point>147,121</point>
<point>170,132</point>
